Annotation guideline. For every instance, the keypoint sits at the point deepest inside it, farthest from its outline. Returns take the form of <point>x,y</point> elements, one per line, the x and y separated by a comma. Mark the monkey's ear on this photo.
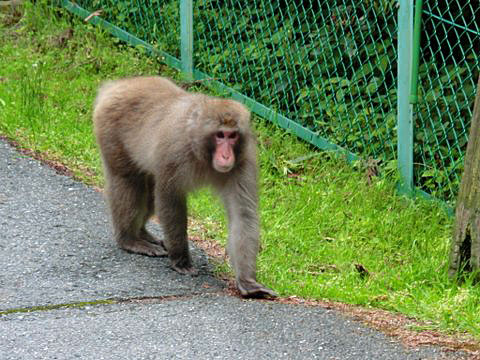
<point>193,114</point>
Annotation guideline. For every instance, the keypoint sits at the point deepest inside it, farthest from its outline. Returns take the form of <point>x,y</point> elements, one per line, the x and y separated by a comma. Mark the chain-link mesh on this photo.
<point>448,76</point>
<point>154,21</point>
<point>331,66</point>
<point>328,65</point>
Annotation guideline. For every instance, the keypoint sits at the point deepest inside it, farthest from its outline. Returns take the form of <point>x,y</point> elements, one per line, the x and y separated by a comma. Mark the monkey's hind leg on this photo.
<point>172,213</point>
<point>150,207</point>
<point>128,198</point>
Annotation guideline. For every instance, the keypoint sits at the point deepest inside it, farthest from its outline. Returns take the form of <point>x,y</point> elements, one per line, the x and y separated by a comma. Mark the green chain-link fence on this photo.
<point>330,70</point>
<point>329,66</point>
<point>448,74</point>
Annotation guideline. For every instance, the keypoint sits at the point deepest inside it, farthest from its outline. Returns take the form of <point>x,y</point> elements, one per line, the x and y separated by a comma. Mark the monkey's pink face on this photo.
<point>224,155</point>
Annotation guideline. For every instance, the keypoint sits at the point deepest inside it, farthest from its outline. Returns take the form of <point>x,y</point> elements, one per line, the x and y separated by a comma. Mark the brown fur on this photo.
<point>156,142</point>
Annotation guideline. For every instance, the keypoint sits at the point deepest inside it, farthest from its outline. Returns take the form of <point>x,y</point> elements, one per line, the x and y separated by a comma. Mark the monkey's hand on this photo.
<point>252,289</point>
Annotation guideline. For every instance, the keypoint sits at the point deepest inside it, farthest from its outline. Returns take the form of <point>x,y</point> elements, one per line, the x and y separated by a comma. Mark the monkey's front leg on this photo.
<point>172,213</point>
<point>243,249</point>
<point>243,246</point>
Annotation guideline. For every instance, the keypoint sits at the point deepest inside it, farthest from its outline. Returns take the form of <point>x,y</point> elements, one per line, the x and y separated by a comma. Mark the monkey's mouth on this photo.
<point>223,169</point>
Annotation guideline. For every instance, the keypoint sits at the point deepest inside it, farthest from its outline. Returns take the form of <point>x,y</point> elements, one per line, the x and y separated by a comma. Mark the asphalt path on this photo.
<point>67,291</point>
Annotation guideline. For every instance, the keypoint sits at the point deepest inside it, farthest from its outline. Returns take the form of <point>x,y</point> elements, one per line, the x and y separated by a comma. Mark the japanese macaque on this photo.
<point>159,142</point>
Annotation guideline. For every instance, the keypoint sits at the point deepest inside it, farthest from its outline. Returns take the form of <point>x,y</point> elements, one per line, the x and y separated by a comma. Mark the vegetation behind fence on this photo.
<point>331,66</point>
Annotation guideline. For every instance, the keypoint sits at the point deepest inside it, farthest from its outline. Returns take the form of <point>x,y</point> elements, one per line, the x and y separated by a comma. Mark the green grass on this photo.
<point>321,218</point>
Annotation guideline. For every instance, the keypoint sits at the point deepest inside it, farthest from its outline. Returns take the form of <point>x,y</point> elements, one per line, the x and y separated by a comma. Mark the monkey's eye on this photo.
<point>220,135</point>
<point>233,135</point>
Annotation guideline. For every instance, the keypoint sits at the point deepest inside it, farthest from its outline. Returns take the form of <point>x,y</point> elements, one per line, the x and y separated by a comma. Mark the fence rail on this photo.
<point>337,73</point>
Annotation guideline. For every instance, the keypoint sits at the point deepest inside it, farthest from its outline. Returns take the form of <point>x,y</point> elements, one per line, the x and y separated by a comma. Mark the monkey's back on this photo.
<point>133,117</point>
<point>132,99</point>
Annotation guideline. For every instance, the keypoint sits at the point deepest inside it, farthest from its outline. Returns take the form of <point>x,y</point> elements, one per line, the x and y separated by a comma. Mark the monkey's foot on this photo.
<point>185,270</point>
<point>252,289</point>
<point>183,267</point>
<point>145,235</point>
<point>144,247</point>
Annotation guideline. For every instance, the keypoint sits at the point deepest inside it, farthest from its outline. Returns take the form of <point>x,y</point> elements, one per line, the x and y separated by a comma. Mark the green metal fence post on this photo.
<point>416,51</point>
<point>404,108</point>
<point>186,35</point>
